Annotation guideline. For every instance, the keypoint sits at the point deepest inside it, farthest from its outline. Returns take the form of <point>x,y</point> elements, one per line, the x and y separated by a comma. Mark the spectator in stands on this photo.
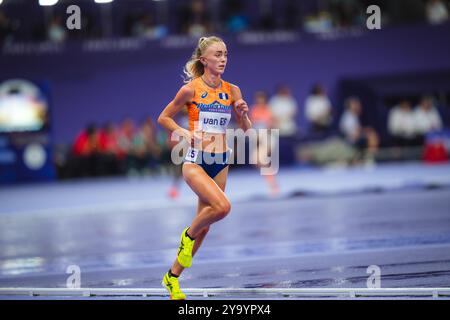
<point>318,109</point>
<point>364,139</point>
<point>401,125</point>
<point>85,150</point>
<point>237,22</point>
<point>145,149</point>
<point>107,139</point>
<point>195,20</point>
<point>56,32</point>
<point>437,12</point>
<point>426,117</point>
<point>145,27</point>
<point>108,149</point>
<point>284,110</point>
<point>125,145</point>
<point>235,19</point>
<point>86,142</point>
<point>151,134</point>
<point>321,22</point>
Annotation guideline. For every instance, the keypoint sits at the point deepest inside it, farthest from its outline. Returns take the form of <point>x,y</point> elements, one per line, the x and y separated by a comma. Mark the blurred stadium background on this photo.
<point>363,114</point>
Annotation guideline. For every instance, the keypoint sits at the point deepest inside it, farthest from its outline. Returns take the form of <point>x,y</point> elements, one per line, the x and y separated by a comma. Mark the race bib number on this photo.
<point>191,154</point>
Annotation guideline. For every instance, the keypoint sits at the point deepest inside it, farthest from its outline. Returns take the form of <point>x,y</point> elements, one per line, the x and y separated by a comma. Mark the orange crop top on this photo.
<point>210,109</point>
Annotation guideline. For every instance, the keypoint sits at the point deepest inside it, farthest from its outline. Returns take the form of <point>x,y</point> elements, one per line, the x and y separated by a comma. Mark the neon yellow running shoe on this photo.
<point>185,250</point>
<point>172,285</point>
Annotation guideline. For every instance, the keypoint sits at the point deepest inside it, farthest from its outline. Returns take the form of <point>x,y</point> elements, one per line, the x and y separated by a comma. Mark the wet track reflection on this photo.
<point>324,241</point>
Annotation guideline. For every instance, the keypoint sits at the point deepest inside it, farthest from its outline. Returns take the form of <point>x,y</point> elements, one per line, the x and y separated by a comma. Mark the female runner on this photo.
<point>209,101</point>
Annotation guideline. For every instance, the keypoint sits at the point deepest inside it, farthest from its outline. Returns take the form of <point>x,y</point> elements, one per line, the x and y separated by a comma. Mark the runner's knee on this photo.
<point>221,208</point>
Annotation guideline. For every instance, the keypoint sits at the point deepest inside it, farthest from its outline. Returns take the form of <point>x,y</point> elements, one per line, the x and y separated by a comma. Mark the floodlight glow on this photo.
<point>48,2</point>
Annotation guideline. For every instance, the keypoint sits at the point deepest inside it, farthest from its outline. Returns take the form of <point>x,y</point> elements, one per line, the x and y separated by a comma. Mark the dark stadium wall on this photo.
<point>88,86</point>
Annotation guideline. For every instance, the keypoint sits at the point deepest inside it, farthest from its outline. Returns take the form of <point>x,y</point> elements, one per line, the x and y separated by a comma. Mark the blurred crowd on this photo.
<point>331,133</point>
<point>116,149</point>
<point>342,133</point>
<point>409,125</point>
<point>199,17</point>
